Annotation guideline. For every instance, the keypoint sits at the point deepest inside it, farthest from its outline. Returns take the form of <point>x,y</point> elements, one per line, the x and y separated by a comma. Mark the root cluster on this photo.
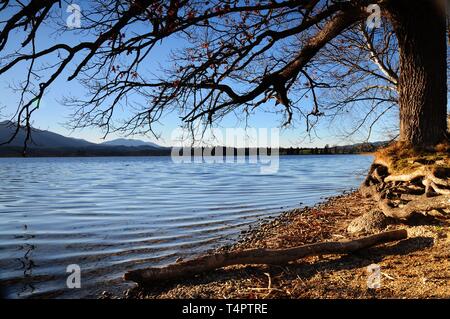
<point>425,190</point>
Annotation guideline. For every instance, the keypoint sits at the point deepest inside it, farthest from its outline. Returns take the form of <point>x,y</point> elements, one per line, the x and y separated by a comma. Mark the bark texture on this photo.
<point>420,26</point>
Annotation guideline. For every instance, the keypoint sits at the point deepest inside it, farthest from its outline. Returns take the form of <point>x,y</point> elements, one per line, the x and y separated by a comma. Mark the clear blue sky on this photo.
<point>52,115</point>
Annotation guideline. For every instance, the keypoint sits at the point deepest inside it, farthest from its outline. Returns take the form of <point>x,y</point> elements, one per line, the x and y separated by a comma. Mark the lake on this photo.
<point>112,214</point>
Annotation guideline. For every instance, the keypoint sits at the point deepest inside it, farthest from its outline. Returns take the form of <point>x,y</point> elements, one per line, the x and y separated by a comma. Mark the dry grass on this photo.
<point>402,159</point>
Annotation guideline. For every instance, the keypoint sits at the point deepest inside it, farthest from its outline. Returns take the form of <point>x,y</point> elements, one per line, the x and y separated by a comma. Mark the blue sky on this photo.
<point>53,115</point>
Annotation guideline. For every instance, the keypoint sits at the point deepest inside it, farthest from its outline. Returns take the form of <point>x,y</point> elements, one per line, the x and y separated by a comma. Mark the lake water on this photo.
<point>109,215</point>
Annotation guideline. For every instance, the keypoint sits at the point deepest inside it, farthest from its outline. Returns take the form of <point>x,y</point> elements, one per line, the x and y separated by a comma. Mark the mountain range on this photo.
<point>40,138</point>
<point>49,143</point>
<point>130,143</point>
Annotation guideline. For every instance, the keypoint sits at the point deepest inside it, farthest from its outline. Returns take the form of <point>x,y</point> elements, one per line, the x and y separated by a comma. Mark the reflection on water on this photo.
<point>26,261</point>
<point>109,215</point>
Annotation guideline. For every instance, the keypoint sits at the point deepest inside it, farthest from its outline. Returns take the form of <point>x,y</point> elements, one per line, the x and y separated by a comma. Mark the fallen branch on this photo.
<point>258,256</point>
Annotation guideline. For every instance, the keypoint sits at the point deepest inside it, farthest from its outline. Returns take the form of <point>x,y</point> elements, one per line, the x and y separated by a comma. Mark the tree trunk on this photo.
<point>420,26</point>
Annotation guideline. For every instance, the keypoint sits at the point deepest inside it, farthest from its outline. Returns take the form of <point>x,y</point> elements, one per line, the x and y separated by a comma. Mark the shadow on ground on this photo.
<point>299,270</point>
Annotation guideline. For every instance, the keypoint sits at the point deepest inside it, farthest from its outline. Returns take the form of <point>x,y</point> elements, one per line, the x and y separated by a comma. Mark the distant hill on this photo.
<point>46,143</point>
<point>130,143</point>
<point>40,138</point>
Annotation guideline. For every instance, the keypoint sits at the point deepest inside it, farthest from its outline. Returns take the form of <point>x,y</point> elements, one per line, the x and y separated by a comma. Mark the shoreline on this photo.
<point>160,155</point>
<point>418,267</point>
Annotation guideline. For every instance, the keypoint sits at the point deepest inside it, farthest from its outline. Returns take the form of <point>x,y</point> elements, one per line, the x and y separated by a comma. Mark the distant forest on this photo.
<point>326,150</point>
<point>10,151</point>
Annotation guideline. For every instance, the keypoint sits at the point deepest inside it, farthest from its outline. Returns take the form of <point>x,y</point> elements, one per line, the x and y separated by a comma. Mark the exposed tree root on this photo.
<point>258,256</point>
<point>423,190</point>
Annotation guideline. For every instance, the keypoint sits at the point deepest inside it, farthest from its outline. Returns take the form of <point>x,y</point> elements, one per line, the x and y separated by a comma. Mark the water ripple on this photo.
<point>109,215</point>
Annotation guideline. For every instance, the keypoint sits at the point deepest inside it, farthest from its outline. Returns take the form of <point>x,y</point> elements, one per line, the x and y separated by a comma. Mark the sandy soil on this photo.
<point>418,267</point>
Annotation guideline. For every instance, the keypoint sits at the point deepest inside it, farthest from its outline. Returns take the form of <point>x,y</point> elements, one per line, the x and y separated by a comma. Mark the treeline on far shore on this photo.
<point>327,150</point>
<point>347,149</point>
<point>6,151</point>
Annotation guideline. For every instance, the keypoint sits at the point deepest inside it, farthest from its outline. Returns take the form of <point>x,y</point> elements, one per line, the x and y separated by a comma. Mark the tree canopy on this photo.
<point>236,56</point>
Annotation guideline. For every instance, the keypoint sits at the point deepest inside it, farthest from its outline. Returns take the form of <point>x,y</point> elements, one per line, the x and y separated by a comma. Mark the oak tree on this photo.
<point>235,57</point>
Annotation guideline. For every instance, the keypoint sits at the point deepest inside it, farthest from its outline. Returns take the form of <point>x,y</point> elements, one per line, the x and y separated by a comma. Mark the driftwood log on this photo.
<point>258,256</point>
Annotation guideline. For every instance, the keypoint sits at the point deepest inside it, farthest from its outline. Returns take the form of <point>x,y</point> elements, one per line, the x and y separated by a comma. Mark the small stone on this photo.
<point>369,222</point>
